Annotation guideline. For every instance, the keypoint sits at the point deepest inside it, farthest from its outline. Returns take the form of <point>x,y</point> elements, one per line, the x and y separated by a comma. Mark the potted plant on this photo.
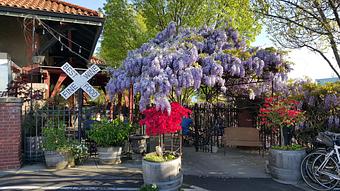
<point>79,152</point>
<point>281,115</point>
<point>56,149</point>
<point>109,137</point>
<point>138,143</point>
<point>163,168</point>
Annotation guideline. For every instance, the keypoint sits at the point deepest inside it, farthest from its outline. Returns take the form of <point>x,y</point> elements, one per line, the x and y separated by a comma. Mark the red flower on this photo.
<point>277,112</point>
<point>158,122</point>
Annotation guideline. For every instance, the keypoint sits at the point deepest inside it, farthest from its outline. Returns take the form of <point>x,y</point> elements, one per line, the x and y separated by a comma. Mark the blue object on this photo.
<point>186,122</point>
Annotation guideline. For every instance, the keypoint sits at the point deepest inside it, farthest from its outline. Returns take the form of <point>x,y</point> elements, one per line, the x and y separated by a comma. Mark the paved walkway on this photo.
<point>234,164</point>
<point>235,171</point>
<point>37,177</point>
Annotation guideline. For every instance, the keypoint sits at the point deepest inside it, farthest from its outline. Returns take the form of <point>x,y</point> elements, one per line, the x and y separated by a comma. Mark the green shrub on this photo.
<point>149,187</point>
<point>293,147</point>
<point>54,138</point>
<point>106,133</point>
<point>153,157</point>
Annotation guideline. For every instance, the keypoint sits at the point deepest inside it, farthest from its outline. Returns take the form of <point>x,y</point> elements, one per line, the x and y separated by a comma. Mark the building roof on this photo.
<point>326,80</point>
<point>55,6</point>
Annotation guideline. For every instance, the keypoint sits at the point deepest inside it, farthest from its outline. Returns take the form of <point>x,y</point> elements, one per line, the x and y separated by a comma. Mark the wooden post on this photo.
<point>112,108</point>
<point>119,104</point>
<point>131,103</point>
<point>47,80</point>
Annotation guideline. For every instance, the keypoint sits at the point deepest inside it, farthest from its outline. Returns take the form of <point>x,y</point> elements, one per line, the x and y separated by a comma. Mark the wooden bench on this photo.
<point>242,136</point>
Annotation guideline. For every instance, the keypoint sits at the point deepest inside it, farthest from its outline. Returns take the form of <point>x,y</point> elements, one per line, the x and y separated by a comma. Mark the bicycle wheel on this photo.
<point>325,171</point>
<point>307,171</point>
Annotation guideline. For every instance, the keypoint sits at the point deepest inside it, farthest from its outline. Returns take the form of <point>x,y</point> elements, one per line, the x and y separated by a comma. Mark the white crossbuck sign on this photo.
<point>80,81</point>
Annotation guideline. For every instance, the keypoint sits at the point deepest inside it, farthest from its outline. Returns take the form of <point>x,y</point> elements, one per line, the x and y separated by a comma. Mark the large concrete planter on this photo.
<point>54,159</point>
<point>166,175</point>
<point>109,155</point>
<point>284,166</point>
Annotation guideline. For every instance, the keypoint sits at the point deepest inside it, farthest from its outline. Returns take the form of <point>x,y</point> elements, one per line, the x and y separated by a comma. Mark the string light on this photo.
<point>58,37</point>
<point>43,32</point>
<point>50,29</point>
<point>55,34</point>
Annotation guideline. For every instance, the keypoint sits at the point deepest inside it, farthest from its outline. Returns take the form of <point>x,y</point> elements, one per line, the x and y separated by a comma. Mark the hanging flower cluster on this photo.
<point>158,122</point>
<point>180,58</point>
<point>276,113</point>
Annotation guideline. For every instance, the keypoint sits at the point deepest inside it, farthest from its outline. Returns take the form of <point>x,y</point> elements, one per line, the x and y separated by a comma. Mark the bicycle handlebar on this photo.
<point>335,135</point>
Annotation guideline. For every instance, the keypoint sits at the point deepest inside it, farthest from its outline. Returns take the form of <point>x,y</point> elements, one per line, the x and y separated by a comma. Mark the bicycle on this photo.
<point>320,169</point>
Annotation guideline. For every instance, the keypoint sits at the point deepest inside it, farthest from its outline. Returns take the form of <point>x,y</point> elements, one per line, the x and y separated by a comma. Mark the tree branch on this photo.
<point>303,9</point>
<point>336,14</point>
<point>330,35</point>
<point>292,21</point>
<point>324,57</point>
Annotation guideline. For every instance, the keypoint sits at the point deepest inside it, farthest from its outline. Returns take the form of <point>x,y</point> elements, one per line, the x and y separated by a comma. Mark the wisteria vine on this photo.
<point>179,58</point>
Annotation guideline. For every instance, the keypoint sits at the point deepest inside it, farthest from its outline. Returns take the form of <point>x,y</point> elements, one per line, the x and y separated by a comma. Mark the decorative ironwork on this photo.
<point>34,122</point>
<point>209,123</point>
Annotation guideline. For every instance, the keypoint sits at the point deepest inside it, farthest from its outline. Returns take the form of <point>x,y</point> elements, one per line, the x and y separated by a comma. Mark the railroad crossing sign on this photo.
<point>80,81</point>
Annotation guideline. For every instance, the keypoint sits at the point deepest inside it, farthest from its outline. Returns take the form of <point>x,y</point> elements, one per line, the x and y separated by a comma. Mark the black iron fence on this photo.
<point>34,121</point>
<point>209,121</point>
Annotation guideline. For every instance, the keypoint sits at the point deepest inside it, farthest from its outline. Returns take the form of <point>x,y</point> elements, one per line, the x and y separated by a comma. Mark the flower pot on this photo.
<point>138,143</point>
<point>214,149</point>
<point>284,166</point>
<point>166,175</point>
<point>54,159</point>
<point>109,155</point>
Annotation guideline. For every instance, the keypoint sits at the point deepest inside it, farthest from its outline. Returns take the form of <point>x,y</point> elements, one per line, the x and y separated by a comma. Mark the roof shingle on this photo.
<point>56,6</point>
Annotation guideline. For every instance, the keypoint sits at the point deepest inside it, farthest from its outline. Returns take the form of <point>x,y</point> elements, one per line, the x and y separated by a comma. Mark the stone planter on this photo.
<point>284,166</point>
<point>54,159</point>
<point>138,146</point>
<point>109,155</point>
<point>138,143</point>
<point>166,175</point>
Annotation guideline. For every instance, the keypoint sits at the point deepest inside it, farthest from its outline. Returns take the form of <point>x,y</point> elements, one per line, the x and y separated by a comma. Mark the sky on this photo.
<point>306,62</point>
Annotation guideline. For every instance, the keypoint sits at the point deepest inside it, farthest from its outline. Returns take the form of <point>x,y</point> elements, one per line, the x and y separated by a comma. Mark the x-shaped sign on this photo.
<point>80,81</point>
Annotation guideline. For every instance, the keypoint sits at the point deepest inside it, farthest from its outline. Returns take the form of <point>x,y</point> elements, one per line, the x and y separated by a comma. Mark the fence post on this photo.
<point>10,133</point>
<point>196,126</point>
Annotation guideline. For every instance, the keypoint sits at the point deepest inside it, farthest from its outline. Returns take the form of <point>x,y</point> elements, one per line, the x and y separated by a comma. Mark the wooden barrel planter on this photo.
<point>166,175</point>
<point>54,159</point>
<point>284,166</point>
<point>109,155</point>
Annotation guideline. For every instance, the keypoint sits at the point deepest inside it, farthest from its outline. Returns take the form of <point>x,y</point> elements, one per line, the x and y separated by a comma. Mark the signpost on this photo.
<point>80,83</point>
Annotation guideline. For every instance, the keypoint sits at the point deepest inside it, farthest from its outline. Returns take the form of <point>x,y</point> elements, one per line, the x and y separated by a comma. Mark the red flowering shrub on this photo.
<point>158,122</point>
<point>276,113</point>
